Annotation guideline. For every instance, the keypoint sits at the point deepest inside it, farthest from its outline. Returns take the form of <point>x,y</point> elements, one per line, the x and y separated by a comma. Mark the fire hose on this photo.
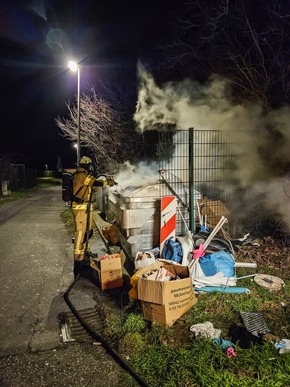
<point>115,355</point>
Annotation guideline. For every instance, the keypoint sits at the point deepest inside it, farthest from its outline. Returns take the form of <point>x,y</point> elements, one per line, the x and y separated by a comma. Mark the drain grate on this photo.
<point>255,323</point>
<point>72,329</point>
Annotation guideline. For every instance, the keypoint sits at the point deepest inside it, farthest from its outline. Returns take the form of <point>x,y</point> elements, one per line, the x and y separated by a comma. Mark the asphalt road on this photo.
<point>36,269</point>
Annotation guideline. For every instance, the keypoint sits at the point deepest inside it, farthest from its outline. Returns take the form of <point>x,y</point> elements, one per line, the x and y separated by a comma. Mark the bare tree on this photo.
<point>106,130</point>
<point>245,41</point>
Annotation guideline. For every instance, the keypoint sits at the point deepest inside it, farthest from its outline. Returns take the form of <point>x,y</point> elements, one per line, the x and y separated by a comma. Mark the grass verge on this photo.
<point>13,196</point>
<point>174,357</point>
<point>42,182</point>
<point>67,218</point>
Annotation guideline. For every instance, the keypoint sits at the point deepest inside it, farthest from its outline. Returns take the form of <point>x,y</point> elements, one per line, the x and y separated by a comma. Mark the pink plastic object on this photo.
<point>198,252</point>
<point>230,352</point>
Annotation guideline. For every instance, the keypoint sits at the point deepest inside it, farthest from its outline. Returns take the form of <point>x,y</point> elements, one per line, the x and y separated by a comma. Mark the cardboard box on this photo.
<point>165,301</point>
<point>111,273</point>
<point>213,210</point>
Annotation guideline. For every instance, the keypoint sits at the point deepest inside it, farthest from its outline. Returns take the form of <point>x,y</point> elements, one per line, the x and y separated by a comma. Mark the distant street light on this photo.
<point>75,145</point>
<point>75,67</point>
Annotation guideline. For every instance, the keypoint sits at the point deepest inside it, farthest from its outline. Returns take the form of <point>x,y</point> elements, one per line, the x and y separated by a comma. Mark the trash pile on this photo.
<point>207,261</point>
<point>168,278</point>
<point>208,256</point>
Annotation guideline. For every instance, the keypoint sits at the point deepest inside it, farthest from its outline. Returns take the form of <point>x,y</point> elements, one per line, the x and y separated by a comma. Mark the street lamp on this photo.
<point>75,67</point>
<point>75,145</point>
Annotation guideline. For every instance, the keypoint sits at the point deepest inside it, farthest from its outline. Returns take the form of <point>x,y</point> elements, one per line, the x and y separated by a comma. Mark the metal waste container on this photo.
<point>136,212</point>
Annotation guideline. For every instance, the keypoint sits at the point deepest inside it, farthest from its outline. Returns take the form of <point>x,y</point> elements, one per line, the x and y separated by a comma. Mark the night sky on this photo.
<point>37,38</point>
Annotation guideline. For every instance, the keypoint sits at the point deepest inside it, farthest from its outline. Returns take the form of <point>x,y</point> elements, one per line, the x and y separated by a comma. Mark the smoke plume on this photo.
<point>261,138</point>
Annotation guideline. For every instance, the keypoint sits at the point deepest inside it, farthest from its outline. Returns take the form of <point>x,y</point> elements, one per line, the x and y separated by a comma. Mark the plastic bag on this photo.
<point>143,259</point>
<point>220,261</point>
<point>133,293</point>
<point>172,251</point>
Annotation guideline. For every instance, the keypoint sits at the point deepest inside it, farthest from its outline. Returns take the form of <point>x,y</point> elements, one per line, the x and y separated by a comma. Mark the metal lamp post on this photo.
<point>75,67</point>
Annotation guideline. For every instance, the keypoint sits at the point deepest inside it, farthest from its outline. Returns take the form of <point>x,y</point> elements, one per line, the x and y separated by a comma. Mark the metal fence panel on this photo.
<point>202,164</point>
<point>21,177</point>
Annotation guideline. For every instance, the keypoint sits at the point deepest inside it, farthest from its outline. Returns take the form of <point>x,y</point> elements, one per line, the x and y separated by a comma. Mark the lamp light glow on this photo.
<point>73,66</point>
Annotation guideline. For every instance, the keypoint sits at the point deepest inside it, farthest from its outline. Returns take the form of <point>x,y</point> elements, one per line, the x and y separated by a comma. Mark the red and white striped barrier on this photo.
<point>168,219</point>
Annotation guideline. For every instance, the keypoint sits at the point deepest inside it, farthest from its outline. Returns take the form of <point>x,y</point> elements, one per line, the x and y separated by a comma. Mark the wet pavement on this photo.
<point>36,267</point>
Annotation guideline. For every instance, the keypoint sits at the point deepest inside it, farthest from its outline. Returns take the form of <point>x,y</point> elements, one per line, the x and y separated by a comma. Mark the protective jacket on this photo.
<point>84,184</point>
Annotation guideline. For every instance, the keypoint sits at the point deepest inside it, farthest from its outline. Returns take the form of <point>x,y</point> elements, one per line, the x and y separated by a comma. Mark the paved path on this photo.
<point>36,268</point>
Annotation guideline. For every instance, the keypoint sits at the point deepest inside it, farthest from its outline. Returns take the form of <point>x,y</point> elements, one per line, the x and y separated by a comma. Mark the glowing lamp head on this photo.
<point>73,65</point>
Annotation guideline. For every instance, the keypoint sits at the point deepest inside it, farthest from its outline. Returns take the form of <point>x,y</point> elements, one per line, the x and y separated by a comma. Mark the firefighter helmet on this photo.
<point>85,160</point>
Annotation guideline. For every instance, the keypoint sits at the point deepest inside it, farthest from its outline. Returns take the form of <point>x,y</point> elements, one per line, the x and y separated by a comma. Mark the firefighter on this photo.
<point>85,183</point>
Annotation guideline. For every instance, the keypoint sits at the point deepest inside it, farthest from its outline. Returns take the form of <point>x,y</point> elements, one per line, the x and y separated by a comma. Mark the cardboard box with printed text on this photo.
<point>165,301</point>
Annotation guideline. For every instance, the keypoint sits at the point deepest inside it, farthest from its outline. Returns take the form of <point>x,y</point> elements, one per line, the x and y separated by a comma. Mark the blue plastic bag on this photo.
<point>172,251</point>
<point>221,261</point>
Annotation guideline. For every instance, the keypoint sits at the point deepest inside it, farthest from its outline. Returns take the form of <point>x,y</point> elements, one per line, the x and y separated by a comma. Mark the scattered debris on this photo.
<point>255,323</point>
<point>269,282</point>
<point>205,329</point>
<point>283,345</point>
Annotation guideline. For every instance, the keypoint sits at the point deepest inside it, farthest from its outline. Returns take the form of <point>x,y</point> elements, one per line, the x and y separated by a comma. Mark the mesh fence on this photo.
<point>201,172</point>
<point>21,177</point>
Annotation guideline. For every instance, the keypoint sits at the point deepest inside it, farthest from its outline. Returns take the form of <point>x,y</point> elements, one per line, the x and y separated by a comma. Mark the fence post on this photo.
<point>191,184</point>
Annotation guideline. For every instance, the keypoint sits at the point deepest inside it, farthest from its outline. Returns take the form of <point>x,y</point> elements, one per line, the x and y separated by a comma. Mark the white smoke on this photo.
<point>188,104</point>
<point>135,176</point>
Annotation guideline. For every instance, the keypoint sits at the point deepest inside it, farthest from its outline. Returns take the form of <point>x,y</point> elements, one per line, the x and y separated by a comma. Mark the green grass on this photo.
<point>203,363</point>
<point>67,218</point>
<point>13,196</point>
<point>174,357</point>
<point>42,182</point>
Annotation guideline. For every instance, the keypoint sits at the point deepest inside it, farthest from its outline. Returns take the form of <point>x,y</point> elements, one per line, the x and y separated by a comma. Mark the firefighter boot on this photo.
<point>77,268</point>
